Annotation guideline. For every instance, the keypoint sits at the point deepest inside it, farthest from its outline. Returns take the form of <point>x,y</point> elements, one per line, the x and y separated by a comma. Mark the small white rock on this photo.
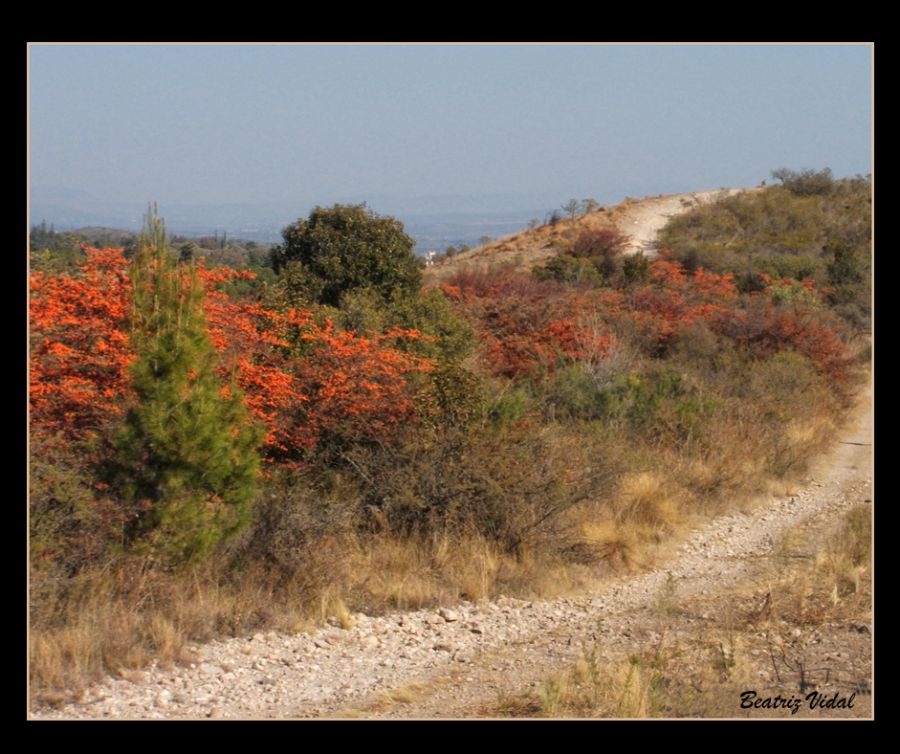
<point>448,615</point>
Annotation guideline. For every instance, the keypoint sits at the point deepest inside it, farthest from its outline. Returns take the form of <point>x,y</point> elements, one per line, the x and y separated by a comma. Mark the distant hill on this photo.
<point>640,219</point>
<point>102,236</point>
<point>435,222</point>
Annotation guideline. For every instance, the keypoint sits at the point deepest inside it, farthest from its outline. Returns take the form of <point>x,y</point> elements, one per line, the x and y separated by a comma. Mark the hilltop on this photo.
<point>641,219</point>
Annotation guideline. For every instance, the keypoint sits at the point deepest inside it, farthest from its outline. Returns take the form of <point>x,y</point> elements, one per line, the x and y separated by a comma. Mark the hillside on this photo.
<point>410,460</point>
<point>641,219</point>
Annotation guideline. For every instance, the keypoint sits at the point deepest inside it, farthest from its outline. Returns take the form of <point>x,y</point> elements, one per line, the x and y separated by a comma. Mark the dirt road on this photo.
<point>457,663</point>
<point>644,219</point>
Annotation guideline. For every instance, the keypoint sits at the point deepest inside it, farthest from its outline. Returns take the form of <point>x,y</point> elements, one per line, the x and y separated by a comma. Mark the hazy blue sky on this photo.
<point>317,124</point>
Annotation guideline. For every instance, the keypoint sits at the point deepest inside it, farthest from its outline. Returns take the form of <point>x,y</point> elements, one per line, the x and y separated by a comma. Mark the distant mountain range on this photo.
<point>435,222</point>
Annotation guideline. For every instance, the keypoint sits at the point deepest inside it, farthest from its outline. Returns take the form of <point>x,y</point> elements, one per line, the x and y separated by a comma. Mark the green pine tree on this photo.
<point>188,457</point>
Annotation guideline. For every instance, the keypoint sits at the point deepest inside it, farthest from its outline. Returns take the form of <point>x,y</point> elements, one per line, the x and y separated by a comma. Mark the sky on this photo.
<point>510,126</point>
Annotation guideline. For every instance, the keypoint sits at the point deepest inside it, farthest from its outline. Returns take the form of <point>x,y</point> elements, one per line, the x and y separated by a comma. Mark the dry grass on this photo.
<point>105,637</point>
<point>829,582</point>
<point>529,248</point>
<point>758,639</point>
<point>648,504</point>
<point>114,623</point>
<point>124,616</point>
<point>407,695</point>
<point>592,688</point>
<point>391,573</point>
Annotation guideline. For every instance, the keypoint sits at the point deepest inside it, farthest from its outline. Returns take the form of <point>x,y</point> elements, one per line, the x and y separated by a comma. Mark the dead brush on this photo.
<point>646,505</point>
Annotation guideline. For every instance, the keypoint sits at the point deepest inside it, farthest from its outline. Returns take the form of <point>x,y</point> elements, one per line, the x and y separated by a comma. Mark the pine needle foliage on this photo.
<point>187,454</point>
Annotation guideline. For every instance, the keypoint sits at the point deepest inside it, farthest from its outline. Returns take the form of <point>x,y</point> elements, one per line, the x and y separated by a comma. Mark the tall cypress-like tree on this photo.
<point>187,453</point>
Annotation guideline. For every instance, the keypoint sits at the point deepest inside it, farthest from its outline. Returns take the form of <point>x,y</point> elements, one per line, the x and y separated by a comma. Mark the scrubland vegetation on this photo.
<point>212,453</point>
<point>811,228</point>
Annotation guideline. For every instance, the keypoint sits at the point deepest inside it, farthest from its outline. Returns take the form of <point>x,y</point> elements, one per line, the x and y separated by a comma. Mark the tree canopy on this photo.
<point>348,247</point>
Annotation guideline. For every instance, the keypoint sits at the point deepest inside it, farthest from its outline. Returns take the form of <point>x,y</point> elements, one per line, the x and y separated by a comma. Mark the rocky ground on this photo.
<point>458,662</point>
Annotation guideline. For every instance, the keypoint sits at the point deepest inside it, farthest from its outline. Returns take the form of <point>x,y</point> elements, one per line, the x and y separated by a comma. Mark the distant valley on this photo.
<point>425,219</point>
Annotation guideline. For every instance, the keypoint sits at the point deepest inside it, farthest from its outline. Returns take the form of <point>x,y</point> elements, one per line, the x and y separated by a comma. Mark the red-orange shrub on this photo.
<point>78,372</point>
<point>526,324</point>
<point>305,382</point>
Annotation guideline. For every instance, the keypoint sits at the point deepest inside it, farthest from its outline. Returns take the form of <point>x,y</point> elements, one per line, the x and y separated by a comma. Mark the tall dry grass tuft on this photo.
<point>410,573</point>
<point>646,502</point>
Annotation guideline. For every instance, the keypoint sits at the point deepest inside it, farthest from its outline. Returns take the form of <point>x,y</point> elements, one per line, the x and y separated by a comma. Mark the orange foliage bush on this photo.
<point>764,328</point>
<point>78,373</point>
<point>674,299</point>
<point>305,382</point>
<point>526,324</point>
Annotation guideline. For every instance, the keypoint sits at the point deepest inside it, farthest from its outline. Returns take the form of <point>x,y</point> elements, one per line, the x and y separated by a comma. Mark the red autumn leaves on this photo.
<point>529,326</point>
<point>79,347</point>
<point>307,383</point>
<point>311,384</point>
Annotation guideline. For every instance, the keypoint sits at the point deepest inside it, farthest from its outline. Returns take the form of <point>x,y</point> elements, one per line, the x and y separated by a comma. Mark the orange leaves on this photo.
<point>764,328</point>
<point>675,299</point>
<point>305,382</point>
<point>526,324</point>
<point>357,385</point>
<point>309,383</point>
<point>79,344</point>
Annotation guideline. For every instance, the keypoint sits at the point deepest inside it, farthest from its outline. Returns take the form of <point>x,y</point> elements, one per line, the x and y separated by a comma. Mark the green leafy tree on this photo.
<point>345,248</point>
<point>187,455</point>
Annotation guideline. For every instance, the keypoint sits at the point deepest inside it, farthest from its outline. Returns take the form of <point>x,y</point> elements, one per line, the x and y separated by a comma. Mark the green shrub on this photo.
<point>363,311</point>
<point>448,336</point>
<point>806,182</point>
<point>800,231</point>
<point>660,404</point>
<point>346,247</point>
<point>511,486</point>
<point>458,396</point>
<point>68,528</point>
<point>186,456</point>
<point>510,406</point>
<point>568,269</point>
<point>635,268</point>
<point>574,394</point>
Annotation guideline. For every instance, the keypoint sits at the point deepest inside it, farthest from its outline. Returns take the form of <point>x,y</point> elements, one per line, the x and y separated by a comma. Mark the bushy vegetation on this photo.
<point>813,228</point>
<point>343,436</point>
<point>595,258</point>
<point>345,248</point>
